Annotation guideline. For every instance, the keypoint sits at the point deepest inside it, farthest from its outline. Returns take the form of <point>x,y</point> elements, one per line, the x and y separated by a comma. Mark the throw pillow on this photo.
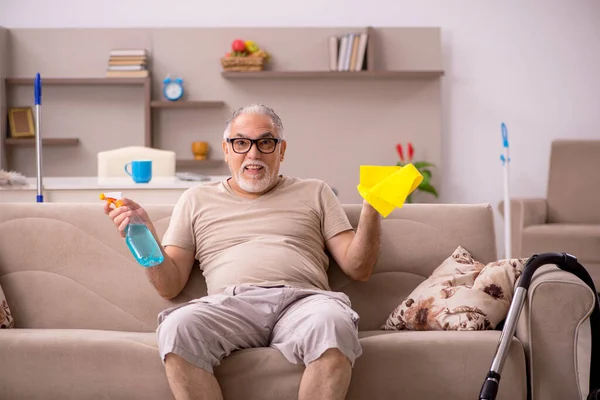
<point>461,294</point>
<point>6,319</point>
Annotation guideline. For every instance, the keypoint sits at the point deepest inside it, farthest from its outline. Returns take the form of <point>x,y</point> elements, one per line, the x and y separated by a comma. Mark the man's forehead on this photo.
<point>252,126</point>
<point>267,134</point>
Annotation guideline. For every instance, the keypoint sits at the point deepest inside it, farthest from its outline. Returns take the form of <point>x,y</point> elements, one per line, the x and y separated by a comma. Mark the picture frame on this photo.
<point>20,122</point>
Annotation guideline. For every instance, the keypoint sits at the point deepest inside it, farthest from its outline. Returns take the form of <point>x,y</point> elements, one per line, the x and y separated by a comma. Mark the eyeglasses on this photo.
<point>243,145</point>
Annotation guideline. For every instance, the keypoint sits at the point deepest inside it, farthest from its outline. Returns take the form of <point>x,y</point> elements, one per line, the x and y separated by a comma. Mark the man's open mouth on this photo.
<point>254,170</point>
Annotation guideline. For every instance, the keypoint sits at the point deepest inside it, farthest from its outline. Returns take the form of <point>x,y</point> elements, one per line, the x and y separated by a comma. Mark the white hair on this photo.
<point>256,109</point>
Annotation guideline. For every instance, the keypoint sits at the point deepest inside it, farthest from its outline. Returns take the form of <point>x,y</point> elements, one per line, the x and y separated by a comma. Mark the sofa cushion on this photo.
<point>6,318</point>
<point>94,364</point>
<point>394,365</point>
<point>80,364</point>
<point>461,294</point>
<point>583,241</point>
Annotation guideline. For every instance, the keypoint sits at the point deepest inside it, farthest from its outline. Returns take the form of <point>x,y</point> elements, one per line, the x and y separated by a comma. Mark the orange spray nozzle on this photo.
<point>113,198</point>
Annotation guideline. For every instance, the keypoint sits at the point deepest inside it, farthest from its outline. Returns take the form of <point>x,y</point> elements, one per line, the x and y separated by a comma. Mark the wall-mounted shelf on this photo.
<point>45,142</point>
<point>149,106</point>
<point>415,74</point>
<point>186,104</point>
<point>191,163</point>
<point>133,110</point>
<point>144,83</point>
<point>79,81</point>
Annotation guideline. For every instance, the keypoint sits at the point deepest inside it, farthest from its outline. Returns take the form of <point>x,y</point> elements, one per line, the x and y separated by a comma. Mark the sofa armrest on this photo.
<point>524,212</point>
<point>554,329</point>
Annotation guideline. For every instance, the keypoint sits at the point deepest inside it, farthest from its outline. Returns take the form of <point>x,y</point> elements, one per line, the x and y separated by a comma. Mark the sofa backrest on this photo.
<point>64,265</point>
<point>574,182</point>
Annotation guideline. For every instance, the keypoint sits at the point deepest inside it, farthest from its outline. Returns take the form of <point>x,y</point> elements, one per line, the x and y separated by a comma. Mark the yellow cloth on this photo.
<point>387,187</point>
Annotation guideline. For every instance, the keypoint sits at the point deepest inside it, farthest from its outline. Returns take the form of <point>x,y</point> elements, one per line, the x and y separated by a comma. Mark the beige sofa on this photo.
<point>568,218</point>
<point>86,316</point>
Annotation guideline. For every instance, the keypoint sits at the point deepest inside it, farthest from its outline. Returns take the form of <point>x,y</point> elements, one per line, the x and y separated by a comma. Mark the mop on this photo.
<point>505,160</point>
<point>37,94</point>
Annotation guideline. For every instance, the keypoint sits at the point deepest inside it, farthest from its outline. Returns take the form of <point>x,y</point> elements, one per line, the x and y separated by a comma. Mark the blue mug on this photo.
<point>141,170</point>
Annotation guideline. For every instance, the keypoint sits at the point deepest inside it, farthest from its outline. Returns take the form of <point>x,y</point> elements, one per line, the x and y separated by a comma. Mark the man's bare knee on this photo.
<point>328,377</point>
<point>334,357</point>
<point>181,372</point>
<point>172,360</point>
<point>188,381</point>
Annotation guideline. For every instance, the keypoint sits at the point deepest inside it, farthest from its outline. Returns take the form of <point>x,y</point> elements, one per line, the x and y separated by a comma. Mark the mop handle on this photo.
<point>37,94</point>
<point>507,217</point>
<point>504,135</point>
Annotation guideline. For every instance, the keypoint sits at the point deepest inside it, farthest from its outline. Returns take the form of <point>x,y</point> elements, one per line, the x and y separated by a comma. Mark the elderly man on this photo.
<point>262,241</point>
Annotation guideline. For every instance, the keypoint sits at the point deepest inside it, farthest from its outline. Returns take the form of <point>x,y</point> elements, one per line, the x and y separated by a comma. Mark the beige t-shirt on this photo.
<point>278,238</point>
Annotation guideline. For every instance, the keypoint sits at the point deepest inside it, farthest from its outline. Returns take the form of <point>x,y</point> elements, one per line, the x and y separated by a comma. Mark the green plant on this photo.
<point>422,166</point>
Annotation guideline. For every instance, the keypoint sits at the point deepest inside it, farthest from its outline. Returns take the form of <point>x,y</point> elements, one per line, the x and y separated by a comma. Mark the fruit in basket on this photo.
<point>261,53</point>
<point>238,46</point>
<point>251,46</point>
<point>247,48</point>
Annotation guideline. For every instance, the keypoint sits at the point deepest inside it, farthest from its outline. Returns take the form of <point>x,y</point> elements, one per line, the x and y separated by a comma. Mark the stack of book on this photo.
<point>348,52</point>
<point>127,63</point>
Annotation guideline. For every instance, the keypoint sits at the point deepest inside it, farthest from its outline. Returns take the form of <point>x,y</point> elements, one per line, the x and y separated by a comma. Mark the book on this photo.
<point>127,74</point>
<point>128,52</point>
<point>348,52</point>
<point>127,63</point>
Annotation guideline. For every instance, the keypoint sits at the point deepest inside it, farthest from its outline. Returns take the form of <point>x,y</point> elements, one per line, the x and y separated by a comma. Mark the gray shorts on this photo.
<point>301,323</point>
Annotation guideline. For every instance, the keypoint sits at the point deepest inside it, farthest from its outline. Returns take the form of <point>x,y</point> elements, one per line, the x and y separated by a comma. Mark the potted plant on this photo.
<point>422,166</point>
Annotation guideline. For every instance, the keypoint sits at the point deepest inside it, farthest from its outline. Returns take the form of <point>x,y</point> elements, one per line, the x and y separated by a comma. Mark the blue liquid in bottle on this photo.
<point>143,246</point>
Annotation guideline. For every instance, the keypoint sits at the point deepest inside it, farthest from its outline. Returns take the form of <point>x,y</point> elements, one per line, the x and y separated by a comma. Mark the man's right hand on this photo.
<point>121,215</point>
<point>170,277</point>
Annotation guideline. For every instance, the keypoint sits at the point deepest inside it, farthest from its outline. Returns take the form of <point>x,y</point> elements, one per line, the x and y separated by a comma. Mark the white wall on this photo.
<point>532,64</point>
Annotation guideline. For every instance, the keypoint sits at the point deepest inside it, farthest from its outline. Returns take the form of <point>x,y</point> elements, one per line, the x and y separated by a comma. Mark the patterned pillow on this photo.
<point>461,294</point>
<point>6,319</point>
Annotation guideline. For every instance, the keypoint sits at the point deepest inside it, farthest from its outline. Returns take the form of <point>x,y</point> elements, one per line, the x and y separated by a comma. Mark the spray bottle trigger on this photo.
<point>112,198</point>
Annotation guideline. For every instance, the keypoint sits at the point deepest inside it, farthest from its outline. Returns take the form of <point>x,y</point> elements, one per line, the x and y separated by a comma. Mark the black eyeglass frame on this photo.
<point>252,142</point>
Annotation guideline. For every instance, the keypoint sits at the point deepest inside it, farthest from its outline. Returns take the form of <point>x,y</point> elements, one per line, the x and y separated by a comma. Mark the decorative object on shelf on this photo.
<point>422,166</point>
<point>245,56</point>
<point>200,150</point>
<point>173,88</point>
<point>20,121</point>
<point>12,179</point>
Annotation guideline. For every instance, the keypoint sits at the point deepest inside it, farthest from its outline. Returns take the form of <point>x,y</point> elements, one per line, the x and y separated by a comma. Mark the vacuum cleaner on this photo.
<point>567,263</point>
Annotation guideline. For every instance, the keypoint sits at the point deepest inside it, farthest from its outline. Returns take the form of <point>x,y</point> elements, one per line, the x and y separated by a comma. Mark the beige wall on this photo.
<point>332,125</point>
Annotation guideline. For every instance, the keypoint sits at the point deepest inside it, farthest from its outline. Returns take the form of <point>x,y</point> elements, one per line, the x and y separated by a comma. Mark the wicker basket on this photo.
<point>243,63</point>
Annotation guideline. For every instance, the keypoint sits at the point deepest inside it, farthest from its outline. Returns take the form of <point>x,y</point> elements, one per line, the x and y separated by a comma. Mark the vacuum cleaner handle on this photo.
<point>565,262</point>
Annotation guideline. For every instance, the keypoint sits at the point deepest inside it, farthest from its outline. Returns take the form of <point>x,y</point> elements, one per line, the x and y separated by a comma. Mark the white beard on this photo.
<point>254,185</point>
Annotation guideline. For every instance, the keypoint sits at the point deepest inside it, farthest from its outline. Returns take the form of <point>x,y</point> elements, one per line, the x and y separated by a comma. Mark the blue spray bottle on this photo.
<point>140,241</point>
